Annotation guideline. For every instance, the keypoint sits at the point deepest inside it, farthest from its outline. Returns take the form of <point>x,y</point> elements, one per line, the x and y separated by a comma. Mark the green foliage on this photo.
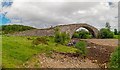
<point>40,40</point>
<point>115,32</point>
<point>115,59</point>
<point>106,33</point>
<point>116,36</point>
<point>82,47</point>
<point>14,28</point>
<point>75,35</point>
<point>81,34</point>
<point>61,37</point>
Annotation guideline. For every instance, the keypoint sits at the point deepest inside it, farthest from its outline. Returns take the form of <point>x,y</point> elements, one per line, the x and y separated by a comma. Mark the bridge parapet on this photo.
<point>70,28</point>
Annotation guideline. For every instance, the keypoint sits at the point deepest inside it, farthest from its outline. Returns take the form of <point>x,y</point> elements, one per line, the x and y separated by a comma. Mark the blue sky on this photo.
<point>6,3</point>
<point>3,18</point>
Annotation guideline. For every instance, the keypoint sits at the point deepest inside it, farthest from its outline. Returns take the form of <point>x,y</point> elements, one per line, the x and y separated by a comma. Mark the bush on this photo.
<point>41,40</point>
<point>81,46</point>
<point>115,59</point>
<point>75,35</point>
<point>61,37</point>
<point>6,29</point>
<point>106,33</point>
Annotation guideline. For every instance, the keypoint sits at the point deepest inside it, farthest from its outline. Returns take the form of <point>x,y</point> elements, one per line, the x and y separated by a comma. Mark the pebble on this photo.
<point>94,61</point>
<point>41,62</point>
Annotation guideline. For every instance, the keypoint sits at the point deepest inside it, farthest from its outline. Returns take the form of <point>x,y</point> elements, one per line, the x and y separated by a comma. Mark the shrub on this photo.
<point>61,37</point>
<point>81,46</point>
<point>115,59</point>
<point>106,33</point>
<point>41,40</point>
<point>75,35</point>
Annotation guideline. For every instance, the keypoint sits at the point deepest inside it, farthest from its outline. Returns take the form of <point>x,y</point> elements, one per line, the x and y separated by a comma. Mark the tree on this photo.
<point>108,25</point>
<point>115,32</point>
<point>106,33</point>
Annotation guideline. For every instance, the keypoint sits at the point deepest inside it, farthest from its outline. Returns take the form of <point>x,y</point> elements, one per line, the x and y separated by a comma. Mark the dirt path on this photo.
<point>103,42</point>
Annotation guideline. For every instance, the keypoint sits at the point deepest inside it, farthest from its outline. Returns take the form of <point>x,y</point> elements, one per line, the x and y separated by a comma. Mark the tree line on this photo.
<point>6,29</point>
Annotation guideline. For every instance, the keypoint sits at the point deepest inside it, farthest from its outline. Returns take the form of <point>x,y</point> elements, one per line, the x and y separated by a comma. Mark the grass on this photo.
<point>18,50</point>
<point>115,59</point>
<point>61,48</point>
<point>115,36</point>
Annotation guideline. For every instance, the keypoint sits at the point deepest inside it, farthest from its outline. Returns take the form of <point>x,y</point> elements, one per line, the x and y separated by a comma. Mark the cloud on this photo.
<point>46,14</point>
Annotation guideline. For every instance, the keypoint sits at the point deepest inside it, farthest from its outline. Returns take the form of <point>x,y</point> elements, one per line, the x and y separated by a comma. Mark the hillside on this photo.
<point>14,28</point>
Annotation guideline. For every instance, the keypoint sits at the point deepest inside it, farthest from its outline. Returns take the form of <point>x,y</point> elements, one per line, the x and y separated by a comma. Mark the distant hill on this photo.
<point>14,28</point>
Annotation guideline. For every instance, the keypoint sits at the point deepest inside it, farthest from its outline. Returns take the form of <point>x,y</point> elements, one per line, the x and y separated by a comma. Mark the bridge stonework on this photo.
<point>70,28</point>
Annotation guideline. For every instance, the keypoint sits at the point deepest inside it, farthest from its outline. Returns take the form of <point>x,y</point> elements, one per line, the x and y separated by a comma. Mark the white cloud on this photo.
<point>94,11</point>
<point>81,11</point>
<point>66,0</point>
<point>46,14</point>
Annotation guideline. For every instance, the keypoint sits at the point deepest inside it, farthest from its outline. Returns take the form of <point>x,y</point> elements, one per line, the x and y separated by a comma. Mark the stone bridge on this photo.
<point>70,28</point>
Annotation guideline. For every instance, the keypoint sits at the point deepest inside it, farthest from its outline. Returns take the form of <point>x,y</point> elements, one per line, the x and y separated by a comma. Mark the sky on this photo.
<point>47,13</point>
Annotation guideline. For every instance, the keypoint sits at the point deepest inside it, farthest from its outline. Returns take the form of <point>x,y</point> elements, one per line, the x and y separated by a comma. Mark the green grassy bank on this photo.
<point>18,50</point>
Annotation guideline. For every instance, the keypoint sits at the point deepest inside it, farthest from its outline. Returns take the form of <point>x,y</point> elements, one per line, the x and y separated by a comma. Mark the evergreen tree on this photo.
<point>115,31</point>
<point>108,25</point>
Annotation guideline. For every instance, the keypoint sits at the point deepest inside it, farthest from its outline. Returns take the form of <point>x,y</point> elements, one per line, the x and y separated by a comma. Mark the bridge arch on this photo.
<point>71,28</point>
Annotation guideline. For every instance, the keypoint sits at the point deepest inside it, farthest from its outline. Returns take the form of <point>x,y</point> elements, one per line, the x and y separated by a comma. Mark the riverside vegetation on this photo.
<point>17,50</point>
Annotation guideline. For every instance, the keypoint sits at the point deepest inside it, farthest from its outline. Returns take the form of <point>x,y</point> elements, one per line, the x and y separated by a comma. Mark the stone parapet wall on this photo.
<point>70,28</point>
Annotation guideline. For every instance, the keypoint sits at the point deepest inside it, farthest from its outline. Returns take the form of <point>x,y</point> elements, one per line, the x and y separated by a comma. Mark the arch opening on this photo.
<point>83,33</point>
